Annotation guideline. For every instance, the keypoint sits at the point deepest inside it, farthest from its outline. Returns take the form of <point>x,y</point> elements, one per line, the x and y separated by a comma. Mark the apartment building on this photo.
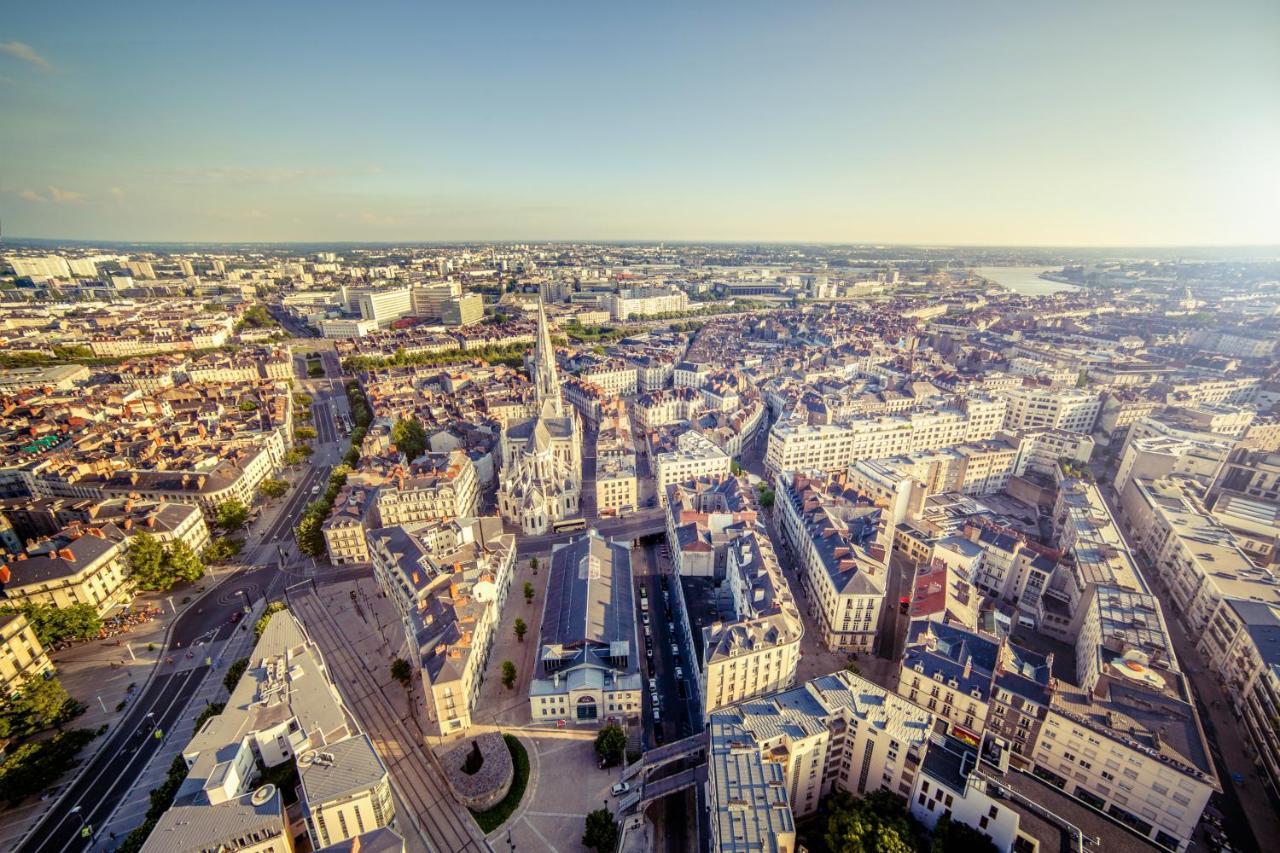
<point>1036,407</point>
<point>704,514</point>
<point>836,732</point>
<point>655,409</point>
<point>838,542</point>
<point>449,581</point>
<point>644,301</point>
<point>1196,557</point>
<point>754,649</point>
<point>284,709</point>
<point>692,456</point>
<point>615,377</point>
<point>949,670</point>
<point>1094,555</point>
<point>344,528</point>
<point>617,484</point>
<point>1242,649</point>
<point>800,446</point>
<point>749,810</point>
<point>81,567</point>
<point>235,477</point>
<point>1129,744</point>
<point>1119,411</point>
<point>21,655</point>
<point>433,486</point>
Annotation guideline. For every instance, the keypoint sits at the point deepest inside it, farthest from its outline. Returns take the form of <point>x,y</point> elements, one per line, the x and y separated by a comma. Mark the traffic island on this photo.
<point>495,787</point>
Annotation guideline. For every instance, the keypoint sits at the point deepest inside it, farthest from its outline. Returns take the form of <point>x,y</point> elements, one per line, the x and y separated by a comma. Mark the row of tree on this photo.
<point>509,354</point>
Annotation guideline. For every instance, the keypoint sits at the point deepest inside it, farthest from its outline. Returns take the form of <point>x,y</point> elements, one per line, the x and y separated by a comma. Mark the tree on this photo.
<point>145,560</point>
<point>310,533</point>
<point>533,564</point>
<point>248,406</point>
<point>409,437</point>
<point>234,672</point>
<point>38,704</point>
<point>952,836</point>
<point>231,514</point>
<point>402,671</point>
<point>54,625</point>
<point>876,823</point>
<point>273,488</point>
<point>611,745</point>
<point>181,563</point>
<point>36,765</point>
<point>508,674</point>
<point>601,832</point>
<point>520,629</point>
<point>293,456</point>
<point>261,625</point>
<point>304,433</point>
<point>222,548</point>
<point>528,593</point>
<point>735,468</point>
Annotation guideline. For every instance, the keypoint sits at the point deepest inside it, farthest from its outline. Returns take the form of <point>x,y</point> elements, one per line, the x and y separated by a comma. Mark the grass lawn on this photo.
<point>491,819</point>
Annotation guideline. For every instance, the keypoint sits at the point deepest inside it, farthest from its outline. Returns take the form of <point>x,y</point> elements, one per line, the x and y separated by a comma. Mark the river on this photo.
<point>1024,280</point>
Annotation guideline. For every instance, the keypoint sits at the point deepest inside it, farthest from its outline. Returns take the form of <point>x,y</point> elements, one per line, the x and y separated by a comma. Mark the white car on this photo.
<point>619,789</point>
<point>653,684</point>
<point>655,699</point>
<point>679,672</point>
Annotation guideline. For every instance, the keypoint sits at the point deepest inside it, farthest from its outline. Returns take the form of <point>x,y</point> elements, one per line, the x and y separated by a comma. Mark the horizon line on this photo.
<point>651,241</point>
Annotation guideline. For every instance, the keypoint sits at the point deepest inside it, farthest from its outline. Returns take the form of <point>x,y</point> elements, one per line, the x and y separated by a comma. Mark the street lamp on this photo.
<point>86,829</point>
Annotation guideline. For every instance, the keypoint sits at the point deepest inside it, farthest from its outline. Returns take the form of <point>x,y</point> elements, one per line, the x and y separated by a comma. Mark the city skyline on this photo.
<point>856,125</point>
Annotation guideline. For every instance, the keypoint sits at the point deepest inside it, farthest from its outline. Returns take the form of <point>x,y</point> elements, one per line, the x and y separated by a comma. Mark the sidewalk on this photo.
<point>496,705</point>
<point>132,808</point>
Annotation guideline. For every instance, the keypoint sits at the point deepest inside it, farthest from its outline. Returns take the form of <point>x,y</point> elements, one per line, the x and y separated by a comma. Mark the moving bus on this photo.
<point>567,524</point>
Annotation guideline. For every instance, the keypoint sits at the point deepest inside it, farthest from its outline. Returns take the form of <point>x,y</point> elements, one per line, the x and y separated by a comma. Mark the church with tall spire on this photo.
<point>541,479</point>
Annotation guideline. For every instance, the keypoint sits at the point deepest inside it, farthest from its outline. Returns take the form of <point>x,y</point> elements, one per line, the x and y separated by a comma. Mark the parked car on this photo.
<point>619,789</point>
<point>679,672</point>
<point>675,651</point>
<point>653,684</point>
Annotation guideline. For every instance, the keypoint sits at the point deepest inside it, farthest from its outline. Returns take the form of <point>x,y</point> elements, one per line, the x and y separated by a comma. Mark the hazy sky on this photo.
<point>1062,123</point>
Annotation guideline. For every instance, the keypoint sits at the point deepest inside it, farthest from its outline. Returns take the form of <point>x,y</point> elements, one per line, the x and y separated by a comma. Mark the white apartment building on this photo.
<point>799,446</point>
<point>1030,407</point>
<point>1196,556</point>
<point>1242,652</point>
<point>838,544</point>
<point>842,732</point>
<point>642,301</point>
<point>755,650</point>
<point>695,456</point>
<point>614,377</point>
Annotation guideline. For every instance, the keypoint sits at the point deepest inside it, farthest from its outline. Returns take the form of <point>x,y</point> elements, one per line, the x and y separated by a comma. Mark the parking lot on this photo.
<point>668,661</point>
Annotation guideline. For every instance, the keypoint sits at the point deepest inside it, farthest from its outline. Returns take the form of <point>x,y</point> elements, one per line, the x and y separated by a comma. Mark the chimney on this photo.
<point>66,554</point>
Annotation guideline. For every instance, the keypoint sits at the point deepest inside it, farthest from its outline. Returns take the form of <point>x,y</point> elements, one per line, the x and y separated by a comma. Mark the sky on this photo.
<point>1020,123</point>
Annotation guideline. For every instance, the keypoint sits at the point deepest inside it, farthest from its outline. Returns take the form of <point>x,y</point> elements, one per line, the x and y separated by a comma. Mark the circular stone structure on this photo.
<point>489,784</point>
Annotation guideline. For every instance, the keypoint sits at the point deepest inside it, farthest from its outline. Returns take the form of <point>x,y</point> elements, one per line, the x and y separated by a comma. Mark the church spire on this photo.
<point>546,380</point>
